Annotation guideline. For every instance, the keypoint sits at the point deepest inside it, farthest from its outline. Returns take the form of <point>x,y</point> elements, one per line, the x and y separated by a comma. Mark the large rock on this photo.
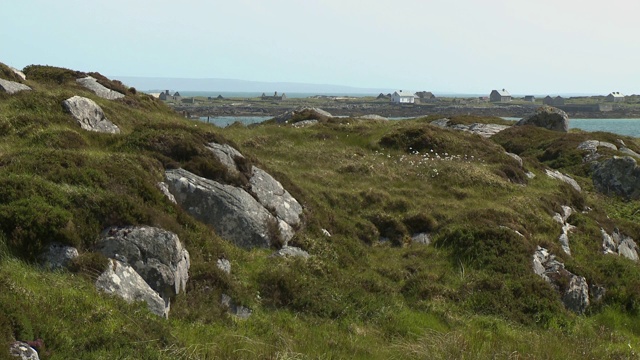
<point>573,288</point>
<point>549,118</point>
<point>591,149</point>
<point>304,113</point>
<point>23,351</point>
<point>156,254</point>
<point>12,87</point>
<point>227,155</point>
<point>484,130</point>
<point>272,195</point>
<point>233,212</point>
<point>268,191</point>
<point>89,115</point>
<point>122,280</point>
<point>58,256</point>
<point>103,92</point>
<point>618,176</point>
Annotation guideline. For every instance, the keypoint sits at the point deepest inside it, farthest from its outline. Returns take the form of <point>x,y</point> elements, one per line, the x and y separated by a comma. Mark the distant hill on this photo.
<point>233,85</point>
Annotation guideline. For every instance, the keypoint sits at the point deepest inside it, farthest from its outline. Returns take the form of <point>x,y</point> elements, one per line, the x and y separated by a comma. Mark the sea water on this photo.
<point>628,127</point>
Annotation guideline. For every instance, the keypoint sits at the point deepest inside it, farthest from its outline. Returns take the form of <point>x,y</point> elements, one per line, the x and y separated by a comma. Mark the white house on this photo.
<point>615,97</point>
<point>403,97</point>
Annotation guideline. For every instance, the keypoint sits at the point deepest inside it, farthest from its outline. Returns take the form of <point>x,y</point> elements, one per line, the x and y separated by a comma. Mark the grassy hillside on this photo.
<point>368,291</point>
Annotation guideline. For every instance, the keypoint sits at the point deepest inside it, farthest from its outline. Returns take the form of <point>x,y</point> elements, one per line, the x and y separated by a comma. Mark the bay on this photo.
<point>628,127</point>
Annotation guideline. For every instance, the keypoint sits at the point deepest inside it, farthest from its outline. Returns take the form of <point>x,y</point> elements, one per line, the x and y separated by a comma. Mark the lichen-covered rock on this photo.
<point>23,351</point>
<point>58,256</point>
<point>19,73</point>
<point>156,254</point>
<point>89,115</point>
<point>549,118</point>
<point>12,87</point>
<point>591,149</point>
<point>517,158</point>
<point>618,176</point>
<point>233,212</point>
<point>421,238</point>
<point>272,195</point>
<point>103,92</point>
<point>484,130</point>
<point>122,280</point>
<point>564,178</point>
<point>573,288</point>
<point>300,114</point>
<point>373,117</point>
<point>224,265</point>
<point>227,156</point>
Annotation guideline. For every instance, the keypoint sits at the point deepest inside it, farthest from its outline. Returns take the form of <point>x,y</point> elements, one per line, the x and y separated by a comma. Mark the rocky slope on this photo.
<point>309,236</point>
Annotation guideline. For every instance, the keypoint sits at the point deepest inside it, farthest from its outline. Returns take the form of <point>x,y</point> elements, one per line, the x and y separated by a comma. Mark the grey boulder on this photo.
<point>272,195</point>
<point>291,251</point>
<point>309,113</point>
<point>227,156</point>
<point>19,73</point>
<point>58,256</point>
<point>23,351</point>
<point>484,130</point>
<point>122,280</point>
<point>617,176</point>
<point>233,212</point>
<point>12,87</point>
<point>156,254</point>
<point>89,115</point>
<point>103,92</point>
<point>549,118</point>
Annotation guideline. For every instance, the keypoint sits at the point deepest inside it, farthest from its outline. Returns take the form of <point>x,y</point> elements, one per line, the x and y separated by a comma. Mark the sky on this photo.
<point>445,46</point>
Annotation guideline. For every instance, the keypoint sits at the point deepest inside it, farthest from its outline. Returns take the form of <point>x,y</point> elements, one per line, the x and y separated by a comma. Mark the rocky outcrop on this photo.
<point>233,212</point>
<point>591,149</point>
<point>619,244</point>
<point>155,254</point>
<point>103,92</point>
<point>89,115</point>
<point>549,118</point>
<point>517,158</point>
<point>12,87</point>
<point>566,227</point>
<point>484,130</point>
<point>58,256</point>
<point>573,288</point>
<point>300,114</point>
<point>122,280</point>
<point>617,176</point>
<point>23,351</point>
<point>564,178</point>
<point>304,123</point>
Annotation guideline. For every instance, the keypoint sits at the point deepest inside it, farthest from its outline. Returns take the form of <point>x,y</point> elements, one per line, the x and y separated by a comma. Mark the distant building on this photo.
<point>166,96</point>
<point>553,101</point>
<point>501,96</point>
<point>615,97</point>
<point>530,98</point>
<point>403,97</point>
<point>275,97</point>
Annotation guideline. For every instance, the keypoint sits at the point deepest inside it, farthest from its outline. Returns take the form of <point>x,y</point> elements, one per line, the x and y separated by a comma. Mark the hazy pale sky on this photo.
<point>464,46</point>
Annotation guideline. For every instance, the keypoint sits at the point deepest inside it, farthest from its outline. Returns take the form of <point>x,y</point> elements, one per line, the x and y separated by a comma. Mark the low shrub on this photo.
<point>52,74</point>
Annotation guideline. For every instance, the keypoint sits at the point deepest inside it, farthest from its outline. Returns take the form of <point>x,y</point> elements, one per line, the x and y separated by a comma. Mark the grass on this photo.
<point>367,291</point>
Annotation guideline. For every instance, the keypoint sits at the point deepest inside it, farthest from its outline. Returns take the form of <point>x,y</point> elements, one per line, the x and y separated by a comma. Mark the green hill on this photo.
<point>370,290</point>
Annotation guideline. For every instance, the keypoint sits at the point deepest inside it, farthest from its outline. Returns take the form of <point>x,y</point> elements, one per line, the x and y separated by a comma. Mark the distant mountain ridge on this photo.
<point>233,85</point>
